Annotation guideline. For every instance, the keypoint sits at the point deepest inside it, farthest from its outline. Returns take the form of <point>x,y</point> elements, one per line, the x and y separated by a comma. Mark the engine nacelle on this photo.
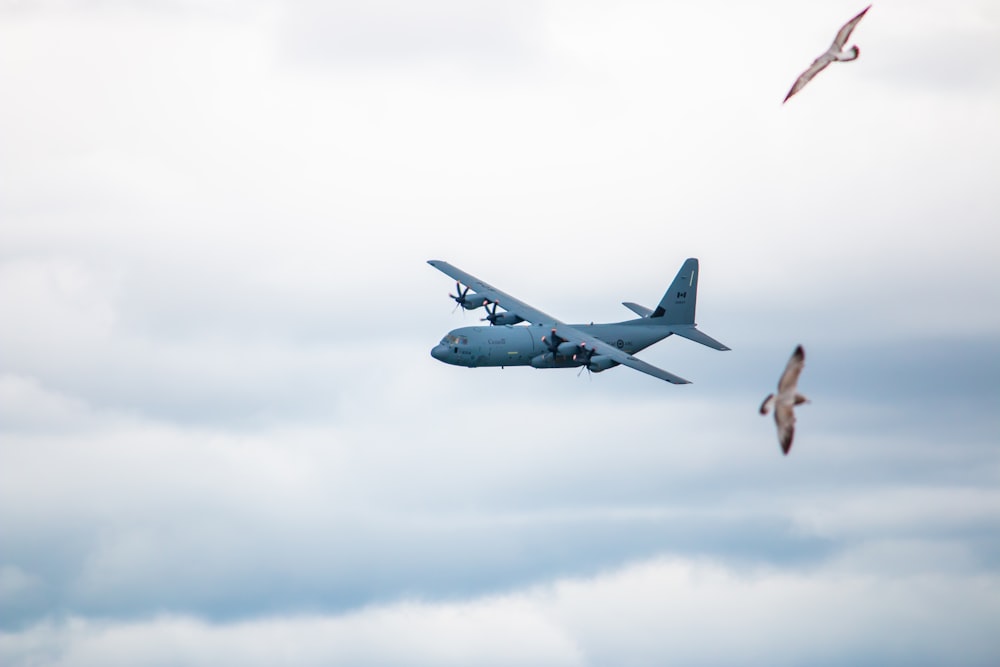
<point>472,301</point>
<point>601,363</point>
<point>568,349</point>
<point>544,361</point>
<point>506,318</point>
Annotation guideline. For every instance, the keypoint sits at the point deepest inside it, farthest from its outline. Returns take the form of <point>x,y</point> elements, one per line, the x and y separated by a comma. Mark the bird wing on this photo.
<point>844,34</point>
<point>784,417</point>
<point>790,378</point>
<point>817,66</point>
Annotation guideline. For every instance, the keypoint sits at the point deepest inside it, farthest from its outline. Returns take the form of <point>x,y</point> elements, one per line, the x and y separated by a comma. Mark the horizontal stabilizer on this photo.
<point>691,333</point>
<point>641,311</point>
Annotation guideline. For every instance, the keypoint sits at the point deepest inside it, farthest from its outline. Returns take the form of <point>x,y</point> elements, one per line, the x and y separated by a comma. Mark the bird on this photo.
<point>836,52</point>
<point>786,399</point>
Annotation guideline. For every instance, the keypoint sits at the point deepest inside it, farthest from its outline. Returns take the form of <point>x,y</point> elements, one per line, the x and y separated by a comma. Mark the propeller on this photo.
<point>460,297</point>
<point>491,315</point>
<point>585,354</point>
<point>553,343</point>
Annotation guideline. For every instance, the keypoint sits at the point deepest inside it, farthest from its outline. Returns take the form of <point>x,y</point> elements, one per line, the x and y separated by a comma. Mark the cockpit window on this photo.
<point>451,339</point>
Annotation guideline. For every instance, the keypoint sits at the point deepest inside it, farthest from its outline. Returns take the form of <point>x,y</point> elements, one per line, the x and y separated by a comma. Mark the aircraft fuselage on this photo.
<point>521,345</point>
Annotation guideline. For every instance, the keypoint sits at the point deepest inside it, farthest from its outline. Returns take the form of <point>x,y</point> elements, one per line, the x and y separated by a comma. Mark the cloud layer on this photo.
<point>696,614</point>
<point>224,440</point>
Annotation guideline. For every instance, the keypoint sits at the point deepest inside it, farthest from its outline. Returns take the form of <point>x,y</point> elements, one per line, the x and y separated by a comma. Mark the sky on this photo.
<point>223,440</point>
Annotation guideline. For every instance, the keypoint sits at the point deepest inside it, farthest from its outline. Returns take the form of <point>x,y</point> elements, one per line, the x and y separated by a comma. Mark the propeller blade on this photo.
<point>459,298</point>
<point>491,315</point>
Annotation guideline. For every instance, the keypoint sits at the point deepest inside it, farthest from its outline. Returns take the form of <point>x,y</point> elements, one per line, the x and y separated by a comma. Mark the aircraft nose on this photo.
<point>439,352</point>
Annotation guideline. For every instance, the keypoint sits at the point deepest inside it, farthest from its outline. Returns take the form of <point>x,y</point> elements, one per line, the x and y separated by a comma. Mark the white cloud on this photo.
<point>443,499</point>
<point>26,405</point>
<point>398,34</point>
<point>662,610</point>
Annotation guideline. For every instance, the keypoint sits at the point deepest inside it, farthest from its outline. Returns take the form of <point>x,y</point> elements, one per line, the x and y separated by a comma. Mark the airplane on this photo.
<point>542,341</point>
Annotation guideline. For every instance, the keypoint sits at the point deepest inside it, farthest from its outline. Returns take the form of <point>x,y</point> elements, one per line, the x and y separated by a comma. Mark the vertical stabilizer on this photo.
<point>678,304</point>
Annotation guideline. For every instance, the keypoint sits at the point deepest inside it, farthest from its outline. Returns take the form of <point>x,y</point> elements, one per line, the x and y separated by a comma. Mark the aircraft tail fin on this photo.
<point>678,303</point>
<point>677,307</point>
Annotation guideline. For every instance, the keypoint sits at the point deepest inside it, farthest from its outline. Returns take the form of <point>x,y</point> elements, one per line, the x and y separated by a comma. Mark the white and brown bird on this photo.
<point>786,399</point>
<point>836,52</point>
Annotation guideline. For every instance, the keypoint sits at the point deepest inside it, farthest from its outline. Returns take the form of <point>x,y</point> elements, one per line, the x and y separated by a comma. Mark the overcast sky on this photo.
<point>223,440</point>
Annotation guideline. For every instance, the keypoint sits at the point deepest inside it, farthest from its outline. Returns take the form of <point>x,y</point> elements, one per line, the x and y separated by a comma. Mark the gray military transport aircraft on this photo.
<point>545,342</point>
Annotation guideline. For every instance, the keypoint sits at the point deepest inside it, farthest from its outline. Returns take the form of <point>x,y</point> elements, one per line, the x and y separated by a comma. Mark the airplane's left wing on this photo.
<point>492,294</point>
<point>574,335</point>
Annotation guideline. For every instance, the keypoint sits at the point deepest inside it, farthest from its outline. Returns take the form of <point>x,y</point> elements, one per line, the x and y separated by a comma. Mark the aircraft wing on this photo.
<point>491,293</point>
<point>574,335</point>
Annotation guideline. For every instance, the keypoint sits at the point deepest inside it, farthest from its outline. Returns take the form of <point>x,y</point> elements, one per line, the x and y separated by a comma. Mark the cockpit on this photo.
<point>448,349</point>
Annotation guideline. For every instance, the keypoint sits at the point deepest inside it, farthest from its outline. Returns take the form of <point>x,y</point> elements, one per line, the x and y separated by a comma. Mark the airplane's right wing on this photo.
<point>492,294</point>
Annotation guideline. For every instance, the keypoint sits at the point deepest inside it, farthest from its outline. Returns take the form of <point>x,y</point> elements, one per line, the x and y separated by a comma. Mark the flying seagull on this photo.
<point>786,399</point>
<point>836,52</point>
